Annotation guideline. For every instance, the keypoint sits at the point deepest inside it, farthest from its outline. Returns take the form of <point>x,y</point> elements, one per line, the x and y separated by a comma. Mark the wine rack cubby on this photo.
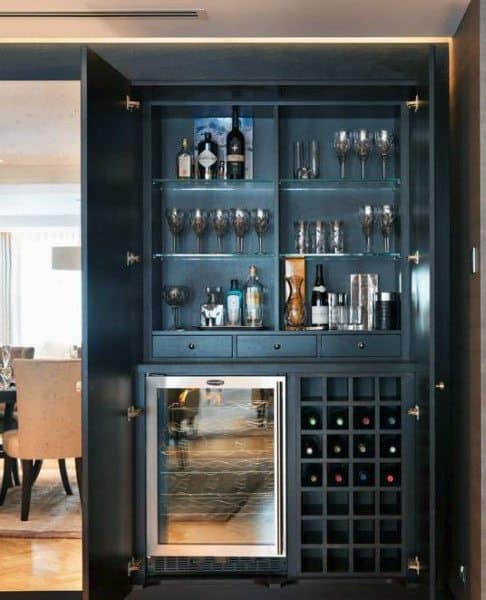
<point>356,444</point>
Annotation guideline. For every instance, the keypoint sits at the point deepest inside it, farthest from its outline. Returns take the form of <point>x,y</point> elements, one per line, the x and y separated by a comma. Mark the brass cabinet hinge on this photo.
<point>414,104</point>
<point>414,564</point>
<point>133,259</point>
<point>133,412</point>
<point>414,412</point>
<point>132,105</point>
<point>440,386</point>
<point>134,565</point>
<point>414,258</point>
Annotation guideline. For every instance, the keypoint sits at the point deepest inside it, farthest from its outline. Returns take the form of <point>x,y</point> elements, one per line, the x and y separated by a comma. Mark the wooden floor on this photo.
<point>40,565</point>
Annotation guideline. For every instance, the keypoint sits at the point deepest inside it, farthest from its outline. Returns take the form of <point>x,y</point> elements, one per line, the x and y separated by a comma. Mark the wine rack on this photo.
<point>352,475</point>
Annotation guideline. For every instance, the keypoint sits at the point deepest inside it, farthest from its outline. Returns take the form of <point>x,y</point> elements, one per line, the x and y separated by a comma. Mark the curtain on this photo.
<point>5,288</point>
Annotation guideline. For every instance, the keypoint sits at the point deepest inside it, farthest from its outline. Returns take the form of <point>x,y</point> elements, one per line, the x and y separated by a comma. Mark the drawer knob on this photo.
<point>191,346</point>
<point>361,345</point>
<point>276,346</point>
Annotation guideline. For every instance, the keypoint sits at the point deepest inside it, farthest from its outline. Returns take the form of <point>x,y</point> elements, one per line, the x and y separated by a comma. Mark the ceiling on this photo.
<point>253,18</point>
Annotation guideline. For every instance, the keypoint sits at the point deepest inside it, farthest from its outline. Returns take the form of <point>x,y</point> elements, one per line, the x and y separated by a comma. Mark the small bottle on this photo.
<point>235,149</point>
<point>234,304</point>
<point>184,161</point>
<point>319,300</point>
<point>253,295</point>
<point>207,157</point>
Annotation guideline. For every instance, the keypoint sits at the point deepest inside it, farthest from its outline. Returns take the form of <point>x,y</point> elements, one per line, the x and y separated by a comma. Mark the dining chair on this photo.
<point>49,422</point>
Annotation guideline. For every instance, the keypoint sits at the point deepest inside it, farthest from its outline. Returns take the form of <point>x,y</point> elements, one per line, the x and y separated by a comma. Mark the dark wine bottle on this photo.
<point>390,446</point>
<point>390,475</point>
<point>320,301</point>
<point>337,446</point>
<point>363,418</point>
<point>336,476</point>
<point>312,476</point>
<point>390,418</point>
<point>207,157</point>
<point>364,475</point>
<point>311,419</point>
<point>235,149</point>
<point>310,448</point>
<point>337,419</point>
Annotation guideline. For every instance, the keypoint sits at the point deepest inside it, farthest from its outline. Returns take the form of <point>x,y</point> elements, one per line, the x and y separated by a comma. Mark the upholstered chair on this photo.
<point>49,421</point>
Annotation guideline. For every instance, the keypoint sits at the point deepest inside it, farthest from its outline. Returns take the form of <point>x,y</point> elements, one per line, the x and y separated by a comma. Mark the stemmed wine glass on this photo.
<point>367,220</point>
<point>221,221</point>
<point>175,220</point>
<point>362,141</point>
<point>342,145</point>
<point>384,142</point>
<point>261,222</point>
<point>175,296</point>
<point>6,368</point>
<point>199,223</point>
<point>387,218</point>
<point>240,219</point>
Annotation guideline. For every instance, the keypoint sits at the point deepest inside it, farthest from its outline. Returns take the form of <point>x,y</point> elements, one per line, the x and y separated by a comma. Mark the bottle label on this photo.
<point>207,159</point>
<point>235,158</point>
<point>319,288</point>
<point>320,315</point>
<point>184,166</point>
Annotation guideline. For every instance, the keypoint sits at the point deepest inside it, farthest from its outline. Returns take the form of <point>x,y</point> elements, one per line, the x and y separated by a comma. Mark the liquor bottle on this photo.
<point>253,295</point>
<point>184,162</point>
<point>207,157</point>
<point>319,301</point>
<point>363,475</point>
<point>312,476</point>
<point>234,304</point>
<point>311,419</point>
<point>390,475</point>
<point>363,418</point>
<point>235,149</point>
<point>336,476</point>
<point>310,448</point>
<point>337,419</point>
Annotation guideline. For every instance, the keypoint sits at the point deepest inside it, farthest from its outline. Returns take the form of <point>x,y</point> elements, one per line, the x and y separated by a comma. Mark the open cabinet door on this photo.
<point>430,306</point>
<point>112,330</point>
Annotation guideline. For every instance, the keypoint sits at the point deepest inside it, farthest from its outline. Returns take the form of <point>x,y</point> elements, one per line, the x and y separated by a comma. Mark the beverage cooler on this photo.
<point>215,471</point>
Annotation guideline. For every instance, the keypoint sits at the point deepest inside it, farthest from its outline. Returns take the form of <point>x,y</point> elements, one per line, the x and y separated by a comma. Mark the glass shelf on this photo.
<point>382,255</point>
<point>302,185</point>
<point>222,185</point>
<point>209,255</point>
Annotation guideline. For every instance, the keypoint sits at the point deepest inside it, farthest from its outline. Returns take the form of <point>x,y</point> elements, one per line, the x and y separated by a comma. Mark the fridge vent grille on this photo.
<point>186,564</point>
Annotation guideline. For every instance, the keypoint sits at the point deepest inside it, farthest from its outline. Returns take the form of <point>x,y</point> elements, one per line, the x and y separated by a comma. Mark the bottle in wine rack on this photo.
<point>235,149</point>
<point>337,419</point>
<point>364,475</point>
<point>337,446</point>
<point>390,446</point>
<point>364,418</point>
<point>311,419</point>
<point>311,476</point>
<point>390,417</point>
<point>390,475</point>
<point>310,448</point>
<point>364,447</point>
<point>337,475</point>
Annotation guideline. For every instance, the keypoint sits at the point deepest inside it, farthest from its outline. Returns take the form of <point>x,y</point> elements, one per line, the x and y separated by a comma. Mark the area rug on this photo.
<point>53,514</point>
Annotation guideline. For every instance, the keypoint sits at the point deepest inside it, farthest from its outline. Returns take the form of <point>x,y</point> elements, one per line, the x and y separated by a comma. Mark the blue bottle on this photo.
<point>234,304</point>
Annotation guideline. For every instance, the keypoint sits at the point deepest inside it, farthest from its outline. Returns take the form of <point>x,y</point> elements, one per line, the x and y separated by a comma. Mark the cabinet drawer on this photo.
<point>197,346</point>
<point>356,345</point>
<point>276,345</point>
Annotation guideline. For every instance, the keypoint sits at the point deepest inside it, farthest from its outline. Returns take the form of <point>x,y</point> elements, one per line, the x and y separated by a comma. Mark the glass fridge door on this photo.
<point>215,466</point>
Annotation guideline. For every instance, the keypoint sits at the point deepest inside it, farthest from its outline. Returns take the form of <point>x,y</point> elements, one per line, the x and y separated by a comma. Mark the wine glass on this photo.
<point>384,142</point>
<point>362,141</point>
<point>175,220</point>
<point>261,222</point>
<point>221,221</point>
<point>199,222</point>
<point>367,221</point>
<point>240,219</point>
<point>342,145</point>
<point>387,218</point>
<point>175,296</point>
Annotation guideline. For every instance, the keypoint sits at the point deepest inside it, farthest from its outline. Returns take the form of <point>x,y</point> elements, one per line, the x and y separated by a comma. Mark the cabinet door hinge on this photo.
<point>414,258</point>
<point>414,564</point>
<point>133,259</point>
<point>134,565</point>
<point>133,412</point>
<point>414,104</point>
<point>414,412</point>
<point>132,105</point>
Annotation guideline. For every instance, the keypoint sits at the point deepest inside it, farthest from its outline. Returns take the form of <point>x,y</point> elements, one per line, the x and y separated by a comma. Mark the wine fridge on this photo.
<point>215,466</point>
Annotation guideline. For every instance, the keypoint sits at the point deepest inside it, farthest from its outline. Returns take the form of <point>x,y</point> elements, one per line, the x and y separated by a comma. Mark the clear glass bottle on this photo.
<point>234,304</point>
<point>253,295</point>
<point>184,161</point>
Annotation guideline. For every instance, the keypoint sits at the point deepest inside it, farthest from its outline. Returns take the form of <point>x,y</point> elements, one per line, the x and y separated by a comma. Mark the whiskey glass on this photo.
<point>362,142</point>
<point>384,143</point>
<point>342,145</point>
<point>367,221</point>
<point>175,220</point>
<point>261,222</point>
<point>387,217</point>
<point>240,218</point>
<point>175,296</point>
<point>199,222</point>
<point>336,237</point>
<point>221,222</point>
